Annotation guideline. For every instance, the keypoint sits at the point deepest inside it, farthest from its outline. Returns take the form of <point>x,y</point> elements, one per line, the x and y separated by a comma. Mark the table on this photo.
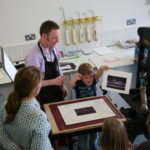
<point>59,127</point>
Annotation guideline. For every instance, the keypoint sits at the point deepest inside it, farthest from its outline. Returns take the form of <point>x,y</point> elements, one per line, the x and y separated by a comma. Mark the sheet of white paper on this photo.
<point>102,110</point>
<point>9,67</point>
<point>116,81</point>
<point>103,50</point>
<point>111,60</point>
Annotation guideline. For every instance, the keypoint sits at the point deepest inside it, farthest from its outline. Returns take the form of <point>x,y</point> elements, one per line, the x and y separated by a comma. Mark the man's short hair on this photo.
<point>47,26</point>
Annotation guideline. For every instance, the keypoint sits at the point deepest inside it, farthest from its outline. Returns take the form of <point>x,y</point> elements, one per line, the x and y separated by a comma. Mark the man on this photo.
<point>143,80</point>
<point>45,57</point>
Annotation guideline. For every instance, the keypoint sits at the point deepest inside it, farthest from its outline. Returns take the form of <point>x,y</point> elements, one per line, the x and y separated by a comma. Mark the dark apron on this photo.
<point>51,93</point>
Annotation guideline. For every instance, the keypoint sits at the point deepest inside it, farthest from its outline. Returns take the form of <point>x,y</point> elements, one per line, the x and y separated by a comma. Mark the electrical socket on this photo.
<point>131,21</point>
<point>29,37</point>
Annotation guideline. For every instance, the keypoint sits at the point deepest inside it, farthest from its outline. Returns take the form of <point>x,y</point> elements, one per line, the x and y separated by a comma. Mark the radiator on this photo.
<point>18,52</point>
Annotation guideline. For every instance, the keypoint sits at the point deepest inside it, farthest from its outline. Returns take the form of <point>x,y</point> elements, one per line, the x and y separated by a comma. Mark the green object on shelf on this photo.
<point>70,57</point>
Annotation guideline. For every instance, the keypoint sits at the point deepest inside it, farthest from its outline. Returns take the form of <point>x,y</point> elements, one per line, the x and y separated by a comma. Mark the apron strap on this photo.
<point>55,58</point>
<point>42,51</point>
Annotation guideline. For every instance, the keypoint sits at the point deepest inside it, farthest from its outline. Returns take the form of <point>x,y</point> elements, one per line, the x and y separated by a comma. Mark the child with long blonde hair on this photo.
<point>114,136</point>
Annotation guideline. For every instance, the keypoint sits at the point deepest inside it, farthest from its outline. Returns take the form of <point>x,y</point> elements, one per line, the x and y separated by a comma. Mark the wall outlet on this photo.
<point>29,37</point>
<point>131,21</point>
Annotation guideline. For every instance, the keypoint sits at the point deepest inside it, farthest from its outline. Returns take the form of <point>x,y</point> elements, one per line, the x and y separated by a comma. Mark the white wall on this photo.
<point>21,17</point>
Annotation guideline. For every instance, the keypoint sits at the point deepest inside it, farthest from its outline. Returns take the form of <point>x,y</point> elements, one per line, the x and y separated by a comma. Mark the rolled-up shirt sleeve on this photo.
<point>34,58</point>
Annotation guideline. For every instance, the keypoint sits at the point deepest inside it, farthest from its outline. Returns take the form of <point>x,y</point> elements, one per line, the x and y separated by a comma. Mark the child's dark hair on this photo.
<point>85,68</point>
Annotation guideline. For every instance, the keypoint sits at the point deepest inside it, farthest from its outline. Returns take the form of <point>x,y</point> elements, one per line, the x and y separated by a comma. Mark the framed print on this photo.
<point>117,81</point>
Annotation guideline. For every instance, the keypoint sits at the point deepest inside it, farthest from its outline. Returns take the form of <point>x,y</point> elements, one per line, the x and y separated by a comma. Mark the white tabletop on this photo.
<point>77,61</point>
<point>86,58</point>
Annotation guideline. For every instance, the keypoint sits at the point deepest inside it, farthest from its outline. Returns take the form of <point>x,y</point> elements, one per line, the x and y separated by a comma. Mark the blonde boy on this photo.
<point>84,81</point>
<point>84,84</point>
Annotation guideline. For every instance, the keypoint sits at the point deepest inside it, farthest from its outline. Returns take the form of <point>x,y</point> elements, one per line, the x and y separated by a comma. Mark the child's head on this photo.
<point>86,70</point>
<point>114,135</point>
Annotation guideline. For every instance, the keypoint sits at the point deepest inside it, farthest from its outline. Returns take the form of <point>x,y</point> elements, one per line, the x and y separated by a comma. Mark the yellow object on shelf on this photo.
<point>82,20</point>
<point>74,41</point>
<point>95,33</point>
<point>81,35</point>
<point>88,37</point>
<point>67,40</point>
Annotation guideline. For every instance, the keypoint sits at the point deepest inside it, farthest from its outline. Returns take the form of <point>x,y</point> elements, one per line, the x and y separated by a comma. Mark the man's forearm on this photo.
<point>48,82</point>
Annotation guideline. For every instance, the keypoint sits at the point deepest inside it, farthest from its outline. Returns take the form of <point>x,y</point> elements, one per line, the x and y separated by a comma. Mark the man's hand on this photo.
<point>64,90</point>
<point>59,80</point>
